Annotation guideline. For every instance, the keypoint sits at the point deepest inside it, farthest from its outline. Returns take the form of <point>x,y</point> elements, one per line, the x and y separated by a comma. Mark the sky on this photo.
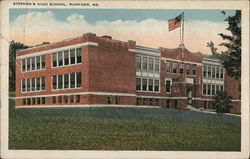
<point>148,27</point>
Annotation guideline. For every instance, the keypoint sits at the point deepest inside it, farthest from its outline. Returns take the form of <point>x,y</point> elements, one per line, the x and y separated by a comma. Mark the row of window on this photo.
<point>147,63</point>
<point>66,99</point>
<point>213,72</point>
<point>33,63</point>
<point>147,84</point>
<point>147,101</point>
<point>33,84</point>
<point>172,67</point>
<point>67,57</point>
<point>67,81</point>
<point>212,89</point>
<point>33,101</point>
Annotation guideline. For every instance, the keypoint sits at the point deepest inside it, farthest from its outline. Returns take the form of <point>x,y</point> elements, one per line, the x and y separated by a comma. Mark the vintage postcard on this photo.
<point>124,79</point>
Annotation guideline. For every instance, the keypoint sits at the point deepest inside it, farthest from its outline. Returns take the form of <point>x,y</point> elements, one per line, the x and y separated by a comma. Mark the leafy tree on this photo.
<point>222,103</point>
<point>12,63</point>
<point>231,58</point>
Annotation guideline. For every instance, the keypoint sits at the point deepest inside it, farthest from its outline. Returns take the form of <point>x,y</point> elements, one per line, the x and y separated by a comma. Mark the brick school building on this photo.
<point>95,71</point>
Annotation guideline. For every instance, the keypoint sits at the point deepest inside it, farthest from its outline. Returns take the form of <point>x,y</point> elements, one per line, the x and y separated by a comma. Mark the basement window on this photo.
<point>109,99</point>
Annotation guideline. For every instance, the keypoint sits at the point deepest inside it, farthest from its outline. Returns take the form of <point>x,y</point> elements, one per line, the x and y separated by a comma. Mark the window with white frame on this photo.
<point>204,71</point>
<point>175,65</point>
<point>67,81</point>
<point>188,69</point>
<point>144,63</point>
<point>138,84</point>
<point>150,84</point>
<point>34,84</point>
<point>147,84</point>
<point>157,65</point>
<point>156,85</point>
<point>33,63</point>
<point>150,64</point>
<point>194,67</point>
<point>138,62</point>
<point>181,68</point>
<point>168,66</point>
<point>168,85</point>
<point>144,84</point>
<point>212,89</point>
<point>221,73</point>
<point>67,57</point>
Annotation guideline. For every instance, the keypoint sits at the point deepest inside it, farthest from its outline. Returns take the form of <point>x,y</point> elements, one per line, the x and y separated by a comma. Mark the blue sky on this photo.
<point>148,27</point>
<point>93,15</point>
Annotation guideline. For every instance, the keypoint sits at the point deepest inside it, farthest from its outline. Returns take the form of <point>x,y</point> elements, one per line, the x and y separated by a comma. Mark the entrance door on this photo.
<point>189,96</point>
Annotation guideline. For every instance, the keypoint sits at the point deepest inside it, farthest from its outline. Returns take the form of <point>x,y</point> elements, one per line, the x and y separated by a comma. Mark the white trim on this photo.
<point>57,49</point>
<point>145,52</point>
<point>161,97</point>
<point>236,100</point>
<point>86,106</point>
<point>187,62</point>
<point>81,93</point>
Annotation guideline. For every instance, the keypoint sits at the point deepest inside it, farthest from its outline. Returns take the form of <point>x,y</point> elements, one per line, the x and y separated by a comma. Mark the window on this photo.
<point>71,99</point>
<point>144,63</point>
<point>78,55</point>
<point>43,100</point>
<point>221,73</point>
<point>23,85</point>
<point>66,80</point>
<point>168,86</point>
<point>174,67</point>
<point>217,89</point>
<point>60,59</point>
<point>205,71</point>
<point>217,72</point>
<point>209,89</point>
<point>181,68</point>
<point>33,101</point>
<point>156,86</point>
<point>209,72</point>
<point>53,99</point>
<point>28,84</point>
<point>33,84</point>
<point>43,62</point>
<point>38,62</point>
<point>138,84</point>
<point>54,81</point>
<point>65,99</point>
<point>59,99</point>
<point>66,57</point>
<point>24,65</point>
<point>33,63</point>
<point>204,89</point>
<point>24,101</point>
<point>117,99</point>
<point>28,101</point>
<point>138,62</point>
<point>144,84</point>
<point>138,101</point>
<point>60,81</point>
<point>54,56</point>
<point>213,72</point>
<point>38,100</point>
<point>194,69</point>
<point>38,83</point>
<point>43,83</point>
<point>78,79</point>
<point>157,65</point>
<point>72,56</point>
<point>150,64</point>
<point>109,99</point>
<point>221,88</point>
<point>72,80</point>
<point>188,69</point>
<point>168,66</point>
<point>150,84</point>
<point>28,64</point>
<point>78,98</point>
<point>213,89</point>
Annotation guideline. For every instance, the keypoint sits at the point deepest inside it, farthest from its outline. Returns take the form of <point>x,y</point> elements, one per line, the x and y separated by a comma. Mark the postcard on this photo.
<point>124,79</point>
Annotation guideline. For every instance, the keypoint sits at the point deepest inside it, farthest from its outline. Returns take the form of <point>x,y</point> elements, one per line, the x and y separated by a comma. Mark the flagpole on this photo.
<point>182,38</point>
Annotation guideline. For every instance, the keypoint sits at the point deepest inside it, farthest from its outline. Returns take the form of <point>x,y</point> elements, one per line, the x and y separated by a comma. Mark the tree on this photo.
<point>222,103</point>
<point>12,63</point>
<point>231,58</point>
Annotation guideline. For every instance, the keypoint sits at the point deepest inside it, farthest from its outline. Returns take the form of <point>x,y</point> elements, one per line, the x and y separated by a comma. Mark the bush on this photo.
<point>222,103</point>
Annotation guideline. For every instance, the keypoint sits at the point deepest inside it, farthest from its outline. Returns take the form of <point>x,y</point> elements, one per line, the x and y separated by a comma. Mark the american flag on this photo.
<point>174,23</point>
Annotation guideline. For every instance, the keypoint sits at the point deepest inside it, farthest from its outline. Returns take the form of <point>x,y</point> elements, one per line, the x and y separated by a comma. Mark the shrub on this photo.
<point>223,102</point>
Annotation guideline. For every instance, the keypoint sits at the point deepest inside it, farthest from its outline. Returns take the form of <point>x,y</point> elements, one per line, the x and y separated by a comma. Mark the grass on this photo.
<point>121,129</point>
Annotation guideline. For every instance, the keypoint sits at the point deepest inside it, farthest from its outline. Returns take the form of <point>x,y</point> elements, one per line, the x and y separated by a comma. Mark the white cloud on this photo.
<point>36,27</point>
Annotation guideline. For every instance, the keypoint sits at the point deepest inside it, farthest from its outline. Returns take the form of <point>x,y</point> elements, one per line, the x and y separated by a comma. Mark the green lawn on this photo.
<point>121,129</point>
